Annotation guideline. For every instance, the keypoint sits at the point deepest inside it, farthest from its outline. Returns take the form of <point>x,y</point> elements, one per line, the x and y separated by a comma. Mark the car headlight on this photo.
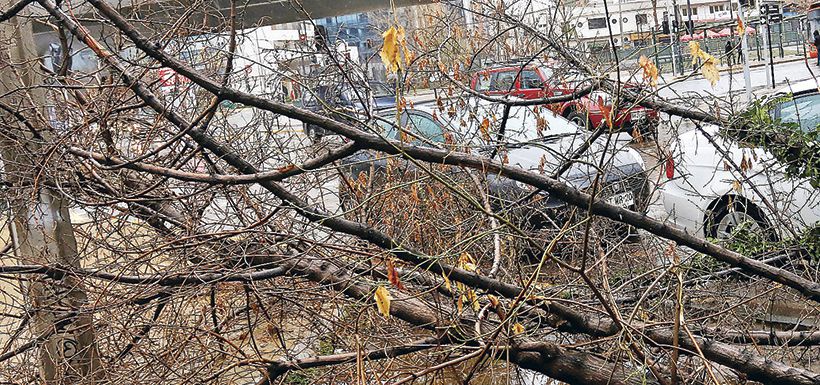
<point>522,185</point>
<point>637,157</point>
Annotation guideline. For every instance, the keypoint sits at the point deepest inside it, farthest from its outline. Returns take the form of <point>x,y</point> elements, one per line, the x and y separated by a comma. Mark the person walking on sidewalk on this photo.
<point>739,50</point>
<point>729,48</point>
<point>817,44</point>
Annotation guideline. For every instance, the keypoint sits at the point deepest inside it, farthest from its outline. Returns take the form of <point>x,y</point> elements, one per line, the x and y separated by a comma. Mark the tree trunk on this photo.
<point>42,231</point>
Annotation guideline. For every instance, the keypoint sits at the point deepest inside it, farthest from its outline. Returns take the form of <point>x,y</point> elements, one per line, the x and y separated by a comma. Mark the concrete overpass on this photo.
<point>210,16</point>
<point>251,12</point>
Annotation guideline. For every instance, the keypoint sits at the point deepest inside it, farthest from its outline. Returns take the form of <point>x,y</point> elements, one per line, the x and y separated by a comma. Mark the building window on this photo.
<point>641,18</point>
<point>597,23</point>
<point>716,8</point>
<point>684,11</point>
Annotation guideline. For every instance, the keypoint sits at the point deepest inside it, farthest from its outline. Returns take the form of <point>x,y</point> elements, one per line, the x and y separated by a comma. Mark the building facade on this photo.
<point>632,21</point>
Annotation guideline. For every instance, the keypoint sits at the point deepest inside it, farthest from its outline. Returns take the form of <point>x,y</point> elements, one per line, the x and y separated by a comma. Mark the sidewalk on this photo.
<point>735,69</point>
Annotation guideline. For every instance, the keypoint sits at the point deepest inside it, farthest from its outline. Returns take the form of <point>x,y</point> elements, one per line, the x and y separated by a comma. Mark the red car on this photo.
<point>537,81</point>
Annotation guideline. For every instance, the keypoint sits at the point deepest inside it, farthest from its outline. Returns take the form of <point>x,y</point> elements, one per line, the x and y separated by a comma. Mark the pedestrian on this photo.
<point>817,45</point>
<point>728,49</point>
<point>739,50</point>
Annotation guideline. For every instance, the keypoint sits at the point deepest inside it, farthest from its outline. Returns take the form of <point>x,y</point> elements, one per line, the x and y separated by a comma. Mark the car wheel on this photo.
<point>727,220</point>
<point>579,119</point>
<point>648,130</point>
<point>642,130</point>
<point>312,133</point>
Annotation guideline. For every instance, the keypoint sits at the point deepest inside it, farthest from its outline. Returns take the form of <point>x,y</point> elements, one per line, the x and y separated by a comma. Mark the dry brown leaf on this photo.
<point>737,186</point>
<point>518,328</point>
<point>393,275</point>
<point>485,129</point>
<point>493,300</point>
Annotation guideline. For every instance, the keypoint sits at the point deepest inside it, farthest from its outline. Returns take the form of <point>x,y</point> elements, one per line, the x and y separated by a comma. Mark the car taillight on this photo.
<point>670,167</point>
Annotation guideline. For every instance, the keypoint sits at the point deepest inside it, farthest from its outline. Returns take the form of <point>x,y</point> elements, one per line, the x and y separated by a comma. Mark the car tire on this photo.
<point>579,119</point>
<point>647,131</point>
<point>732,214</point>
<point>311,133</point>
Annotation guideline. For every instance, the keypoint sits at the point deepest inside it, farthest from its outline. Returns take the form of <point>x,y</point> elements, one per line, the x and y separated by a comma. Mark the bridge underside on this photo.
<point>155,17</point>
<point>214,14</point>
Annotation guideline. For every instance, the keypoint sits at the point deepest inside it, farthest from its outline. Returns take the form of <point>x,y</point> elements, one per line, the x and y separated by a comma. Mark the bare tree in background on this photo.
<point>167,224</point>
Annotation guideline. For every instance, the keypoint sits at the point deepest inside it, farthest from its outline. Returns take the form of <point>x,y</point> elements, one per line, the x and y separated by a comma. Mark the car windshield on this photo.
<point>416,123</point>
<point>380,90</point>
<point>803,110</point>
<point>526,124</point>
<point>480,124</point>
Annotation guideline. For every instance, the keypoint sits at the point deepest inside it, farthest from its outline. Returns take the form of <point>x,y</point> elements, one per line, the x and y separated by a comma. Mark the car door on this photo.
<point>503,82</point>
<point>531,85</point>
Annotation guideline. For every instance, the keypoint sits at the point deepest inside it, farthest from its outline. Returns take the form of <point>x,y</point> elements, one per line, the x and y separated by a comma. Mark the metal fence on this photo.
<point>787,40</point>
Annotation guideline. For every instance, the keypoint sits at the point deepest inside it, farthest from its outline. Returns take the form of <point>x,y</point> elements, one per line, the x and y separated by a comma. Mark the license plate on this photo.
<point>638,115</point>
<point>622,200</point>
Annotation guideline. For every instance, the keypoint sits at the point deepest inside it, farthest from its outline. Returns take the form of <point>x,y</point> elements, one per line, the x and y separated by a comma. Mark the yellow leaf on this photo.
<point>473,298</point>
<point>710,70</point>
<point>447,282</point>
<point>485,129</point>
<point>694,51</point>
<point>650,71</point>
<point>460,304</point>
<point>391,49</point>
<point>466,262</point>
<point>383,298</point>
<point>709,67</point>
<point>740,27</point>
<point>518,328</point>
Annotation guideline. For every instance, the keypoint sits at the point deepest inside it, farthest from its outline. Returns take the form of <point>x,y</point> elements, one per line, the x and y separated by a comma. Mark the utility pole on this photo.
<point>767,44</point>
<point>468,15</point>
<point>675,35</point>
<point>669,22</point>
<point>42,233</point>
<point>690,25</point>
<point>744,46</point>
<point>621,22</point>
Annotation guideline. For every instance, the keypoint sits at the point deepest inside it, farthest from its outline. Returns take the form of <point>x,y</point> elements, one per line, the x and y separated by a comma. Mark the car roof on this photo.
<point>507,68</point>
<point>801,87</point>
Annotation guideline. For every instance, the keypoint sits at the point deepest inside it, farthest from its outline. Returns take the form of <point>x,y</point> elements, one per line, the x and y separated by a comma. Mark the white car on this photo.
<point>706,193</point>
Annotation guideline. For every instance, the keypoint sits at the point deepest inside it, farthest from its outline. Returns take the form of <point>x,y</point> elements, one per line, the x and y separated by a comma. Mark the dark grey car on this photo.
<point>523,145</point>
<point>340,99</point>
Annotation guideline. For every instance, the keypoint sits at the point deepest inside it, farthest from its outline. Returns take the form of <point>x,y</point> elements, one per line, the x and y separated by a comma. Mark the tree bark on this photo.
<point>42,230</point>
